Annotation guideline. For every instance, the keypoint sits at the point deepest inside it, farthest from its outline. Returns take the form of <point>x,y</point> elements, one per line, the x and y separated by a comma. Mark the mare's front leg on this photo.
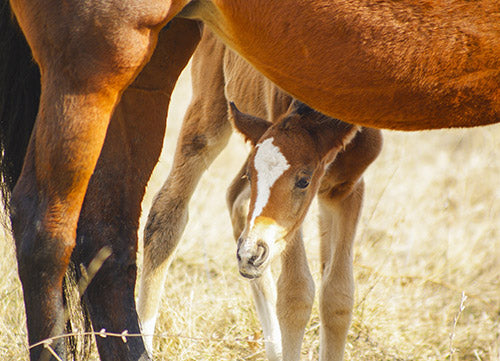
<point>86,61</point>
<point>295,297</point>
<point>112,205</point>
<point>205,132</point>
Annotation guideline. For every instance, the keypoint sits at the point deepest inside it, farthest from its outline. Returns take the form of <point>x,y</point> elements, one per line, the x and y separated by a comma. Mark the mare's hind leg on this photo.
<point>205,132</point>
<point>86,61</point>
<point>263,288</point>
<point>340,200</point>
<point>112,206</point>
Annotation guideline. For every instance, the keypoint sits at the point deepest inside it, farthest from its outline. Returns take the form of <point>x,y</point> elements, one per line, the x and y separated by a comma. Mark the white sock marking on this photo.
<point>264,295</point>
<point>148,329</point>
<point>270,164</point>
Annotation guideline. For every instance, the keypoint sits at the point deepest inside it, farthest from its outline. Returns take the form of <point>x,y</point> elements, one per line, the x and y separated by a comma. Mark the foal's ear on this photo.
<point>251,127</point>
<point>331,136</point>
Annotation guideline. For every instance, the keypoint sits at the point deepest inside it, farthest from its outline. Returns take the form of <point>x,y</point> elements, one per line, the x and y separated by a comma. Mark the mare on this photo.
<point>75,175</point>
<point>302,151</point>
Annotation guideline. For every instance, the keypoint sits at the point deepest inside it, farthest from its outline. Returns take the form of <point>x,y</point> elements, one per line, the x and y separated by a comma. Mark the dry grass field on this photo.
<point>430,232</point>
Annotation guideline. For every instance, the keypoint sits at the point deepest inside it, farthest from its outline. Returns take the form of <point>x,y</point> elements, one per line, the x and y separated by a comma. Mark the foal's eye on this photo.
<point>302,183</point>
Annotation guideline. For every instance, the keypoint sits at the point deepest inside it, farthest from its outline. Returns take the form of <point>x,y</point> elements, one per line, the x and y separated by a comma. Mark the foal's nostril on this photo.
<point>260,257</point>
<point>240,241</point>
<point>253,257</point>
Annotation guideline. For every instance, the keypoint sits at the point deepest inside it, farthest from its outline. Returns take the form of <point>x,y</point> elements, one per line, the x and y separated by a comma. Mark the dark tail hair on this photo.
<point>78,347</point>
<point>19,99</point>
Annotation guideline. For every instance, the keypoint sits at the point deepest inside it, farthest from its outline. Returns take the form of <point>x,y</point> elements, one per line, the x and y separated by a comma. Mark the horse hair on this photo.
<point>315,117</point>
<point>19,99</point>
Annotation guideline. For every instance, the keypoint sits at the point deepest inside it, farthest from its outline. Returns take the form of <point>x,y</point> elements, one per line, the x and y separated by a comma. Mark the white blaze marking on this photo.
<point>270,164</point>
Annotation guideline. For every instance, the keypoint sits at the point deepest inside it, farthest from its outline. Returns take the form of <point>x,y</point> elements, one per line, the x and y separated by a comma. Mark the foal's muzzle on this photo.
<point>252,259</point>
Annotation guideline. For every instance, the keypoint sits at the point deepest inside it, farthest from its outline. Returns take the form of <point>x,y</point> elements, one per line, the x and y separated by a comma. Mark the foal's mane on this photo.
<point>325,132</point>
<point>313,118</point>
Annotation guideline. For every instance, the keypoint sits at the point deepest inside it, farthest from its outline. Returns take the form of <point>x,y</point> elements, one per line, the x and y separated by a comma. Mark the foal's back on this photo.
<point>243,85</point>
<point>250,90</point>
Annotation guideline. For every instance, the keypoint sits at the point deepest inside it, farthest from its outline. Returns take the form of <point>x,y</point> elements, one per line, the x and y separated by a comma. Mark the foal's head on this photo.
<point>284,170</point>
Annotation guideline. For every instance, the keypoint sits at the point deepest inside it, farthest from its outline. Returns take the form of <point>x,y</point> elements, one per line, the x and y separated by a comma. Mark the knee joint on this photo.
<point>336,306</point>
<point>298,301</point>
<point>194,145</point>
<point>295,310</point>
<point>36,247</point>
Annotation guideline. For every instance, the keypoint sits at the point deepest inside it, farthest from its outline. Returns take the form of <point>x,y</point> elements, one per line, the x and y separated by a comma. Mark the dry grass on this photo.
<point>430,230</point>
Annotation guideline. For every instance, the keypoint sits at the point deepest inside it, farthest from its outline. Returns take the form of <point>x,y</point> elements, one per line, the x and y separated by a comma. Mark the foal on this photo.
<point>218,75</point>
<point>305,153</point>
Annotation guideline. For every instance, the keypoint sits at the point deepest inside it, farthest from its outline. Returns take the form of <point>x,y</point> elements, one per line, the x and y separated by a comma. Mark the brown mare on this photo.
<point>308,143</point>
<point>106,75</point>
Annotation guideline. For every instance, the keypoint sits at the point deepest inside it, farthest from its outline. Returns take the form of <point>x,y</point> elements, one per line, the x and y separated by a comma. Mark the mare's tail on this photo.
<point>19,98</point>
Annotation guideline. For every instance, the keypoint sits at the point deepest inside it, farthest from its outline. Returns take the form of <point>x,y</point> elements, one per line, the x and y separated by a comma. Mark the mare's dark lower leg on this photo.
<point>87,57</point>
<point>112,206</point>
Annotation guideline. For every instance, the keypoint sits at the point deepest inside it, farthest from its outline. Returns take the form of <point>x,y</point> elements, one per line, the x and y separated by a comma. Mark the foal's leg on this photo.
<point>340,200</point>
<point>283,313</point>
<point>205,132</point>
<point>295,297</point>
<point>110,213</point>
<point>338,220</point>
<point>264,287</point>
<point>265,296</point>
<point>85,61</point>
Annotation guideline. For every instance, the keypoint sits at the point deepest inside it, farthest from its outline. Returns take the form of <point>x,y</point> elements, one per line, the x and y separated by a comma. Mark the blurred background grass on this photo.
<point>430,231</point>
